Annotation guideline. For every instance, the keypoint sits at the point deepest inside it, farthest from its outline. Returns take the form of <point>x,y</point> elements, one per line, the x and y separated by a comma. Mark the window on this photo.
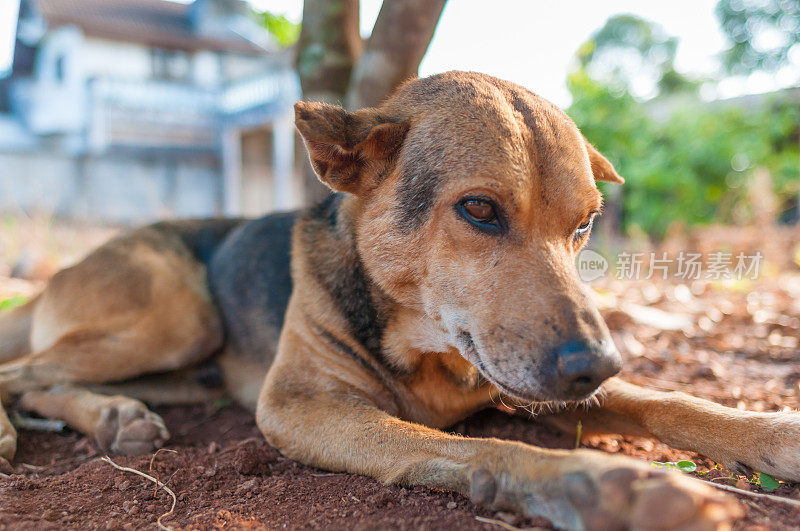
<point>60,68</point>
<point>169,64</point>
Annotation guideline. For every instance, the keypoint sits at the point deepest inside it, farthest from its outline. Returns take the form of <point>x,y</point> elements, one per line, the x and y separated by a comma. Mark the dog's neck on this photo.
<point>328,237</point>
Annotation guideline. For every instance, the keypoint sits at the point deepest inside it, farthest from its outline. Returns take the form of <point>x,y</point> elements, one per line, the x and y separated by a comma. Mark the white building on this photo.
<point>131,110</point>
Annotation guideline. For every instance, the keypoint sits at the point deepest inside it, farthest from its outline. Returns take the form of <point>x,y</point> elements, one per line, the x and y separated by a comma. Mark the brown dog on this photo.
<point>439,278</point>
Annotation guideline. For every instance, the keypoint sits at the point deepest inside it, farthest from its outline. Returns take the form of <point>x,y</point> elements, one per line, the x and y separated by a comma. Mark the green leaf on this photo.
<point>12,302</point>
<point>767,482</point>
<point>284,31</point>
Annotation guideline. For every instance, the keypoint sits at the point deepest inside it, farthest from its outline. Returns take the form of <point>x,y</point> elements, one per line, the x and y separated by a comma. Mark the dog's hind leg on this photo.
<point>8,437</point>
<point>118,423</point>
<point>137,305</point>
<point>15,331</point>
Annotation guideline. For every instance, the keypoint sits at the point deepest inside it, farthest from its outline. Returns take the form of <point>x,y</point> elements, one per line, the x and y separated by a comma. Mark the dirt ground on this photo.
<point>733,342</point>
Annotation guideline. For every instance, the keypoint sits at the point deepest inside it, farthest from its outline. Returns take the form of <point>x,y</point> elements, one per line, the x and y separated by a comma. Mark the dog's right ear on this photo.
<point>602,169</point>
<point>342,145</point>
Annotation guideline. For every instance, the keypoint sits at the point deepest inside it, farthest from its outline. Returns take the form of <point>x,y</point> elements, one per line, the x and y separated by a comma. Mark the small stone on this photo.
<point>210,472</point>
<point>246,487</point>
<point>452,505</point>
<point>379,499</point>
<point>130,507</point>
<point>123,485</point>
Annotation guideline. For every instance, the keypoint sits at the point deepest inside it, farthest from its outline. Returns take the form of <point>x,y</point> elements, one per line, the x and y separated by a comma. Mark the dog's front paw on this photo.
<point>632,498</point>
<point>609,494</point>
<point>127,427</point>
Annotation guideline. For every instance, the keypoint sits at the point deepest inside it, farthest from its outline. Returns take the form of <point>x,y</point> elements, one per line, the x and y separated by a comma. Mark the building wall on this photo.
<point>113,187</point>
<point>118,60</point>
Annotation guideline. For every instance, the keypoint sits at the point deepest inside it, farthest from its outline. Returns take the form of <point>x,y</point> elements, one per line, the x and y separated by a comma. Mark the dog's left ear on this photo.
<point>342,146</point>
<point>602,169</point>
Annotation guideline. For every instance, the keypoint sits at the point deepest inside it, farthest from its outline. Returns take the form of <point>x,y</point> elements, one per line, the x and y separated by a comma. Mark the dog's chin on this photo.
<point>526,397</point>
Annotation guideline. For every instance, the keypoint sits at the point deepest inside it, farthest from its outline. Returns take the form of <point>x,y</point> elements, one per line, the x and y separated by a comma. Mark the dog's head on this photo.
<point>474,195</point>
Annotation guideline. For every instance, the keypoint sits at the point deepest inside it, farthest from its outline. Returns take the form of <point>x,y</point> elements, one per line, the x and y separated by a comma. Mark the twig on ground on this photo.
<point>504,525</point>
<point>150,468</point>
<point>154,480</point>
<point>771,497</point>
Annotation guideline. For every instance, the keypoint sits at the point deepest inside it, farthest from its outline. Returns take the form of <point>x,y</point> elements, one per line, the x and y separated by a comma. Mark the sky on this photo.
<point>530,42</point>
<point>8,24</point>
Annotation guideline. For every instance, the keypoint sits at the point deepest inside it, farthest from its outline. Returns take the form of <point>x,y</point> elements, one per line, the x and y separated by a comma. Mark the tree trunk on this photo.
<point>398,43</point>
<point>328,47</point>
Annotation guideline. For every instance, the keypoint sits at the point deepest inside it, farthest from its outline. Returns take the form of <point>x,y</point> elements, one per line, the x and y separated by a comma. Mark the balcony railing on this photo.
<point>154,113</point>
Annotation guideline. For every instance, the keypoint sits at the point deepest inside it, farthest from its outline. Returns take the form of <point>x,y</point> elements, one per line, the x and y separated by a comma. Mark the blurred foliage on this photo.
<point>761,33</point>
<point>629,51</point>
<point>684,160</point>
<point>284,31</point>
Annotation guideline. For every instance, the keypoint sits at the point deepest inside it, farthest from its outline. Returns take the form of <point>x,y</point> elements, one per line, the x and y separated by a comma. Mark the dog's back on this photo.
<point>250,280</point>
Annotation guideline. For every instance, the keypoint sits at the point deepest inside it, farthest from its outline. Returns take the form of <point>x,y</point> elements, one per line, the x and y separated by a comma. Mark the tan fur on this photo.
<point>470,318</point>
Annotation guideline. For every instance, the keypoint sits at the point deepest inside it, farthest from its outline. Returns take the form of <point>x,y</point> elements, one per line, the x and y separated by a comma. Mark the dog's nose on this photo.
<point>583,367</point>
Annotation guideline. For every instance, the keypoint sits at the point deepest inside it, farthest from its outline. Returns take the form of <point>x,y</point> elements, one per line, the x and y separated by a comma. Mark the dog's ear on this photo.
<point>342,145</point>
<point>602,169</point>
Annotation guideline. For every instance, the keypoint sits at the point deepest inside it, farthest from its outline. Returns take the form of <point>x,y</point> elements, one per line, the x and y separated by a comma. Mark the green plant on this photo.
<point>12,302</point>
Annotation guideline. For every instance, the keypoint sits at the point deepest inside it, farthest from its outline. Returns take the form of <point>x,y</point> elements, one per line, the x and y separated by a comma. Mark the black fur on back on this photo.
<point>250,279</point>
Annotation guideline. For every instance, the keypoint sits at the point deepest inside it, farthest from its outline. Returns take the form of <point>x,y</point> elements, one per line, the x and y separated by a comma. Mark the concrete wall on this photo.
<point>116,187</point>
<point>113,59</point>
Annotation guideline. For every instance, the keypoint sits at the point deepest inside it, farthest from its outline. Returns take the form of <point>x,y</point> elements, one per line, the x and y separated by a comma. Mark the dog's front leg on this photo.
<point>326,423</point>
<point>742,441</point>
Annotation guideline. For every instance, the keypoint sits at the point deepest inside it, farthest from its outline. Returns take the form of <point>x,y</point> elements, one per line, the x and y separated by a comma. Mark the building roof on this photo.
<point>159,23</point>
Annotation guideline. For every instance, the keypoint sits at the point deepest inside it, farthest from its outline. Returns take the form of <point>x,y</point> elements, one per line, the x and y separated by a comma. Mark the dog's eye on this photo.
<point>480,212</point>
<point>584,228</point>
